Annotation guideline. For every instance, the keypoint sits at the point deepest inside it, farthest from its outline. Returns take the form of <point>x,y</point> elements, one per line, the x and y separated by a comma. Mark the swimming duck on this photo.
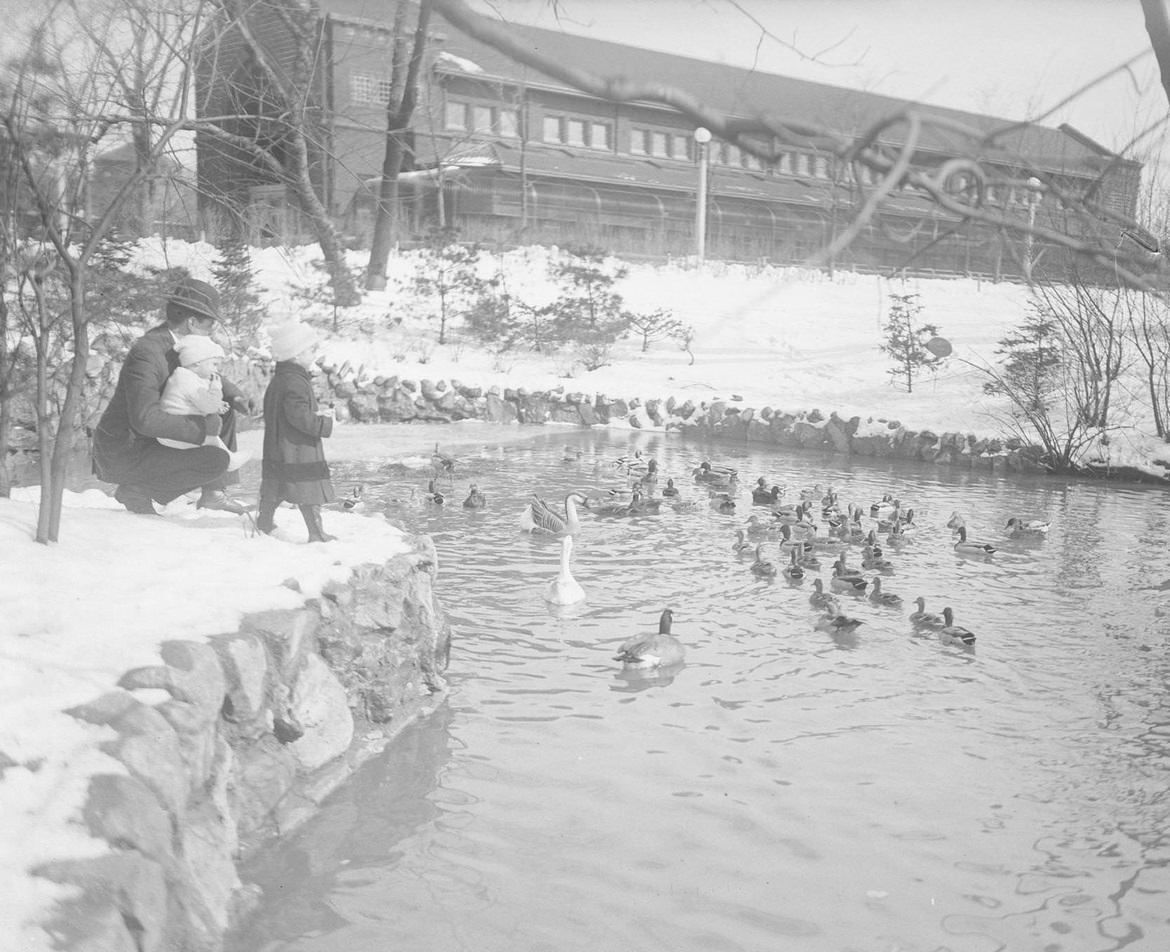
<point>724,476</point>
<point>571,455</point>
<point>755,528</point>
<point>351,500</point>
<point>952,633</point>
<point>878,597</point>
<point>564,589</point>
<point>883,507</point>
<point>1031,529</point>
<point>761,567</point>
<point>792,571</point>
<point>898,535</point>
<point>723,503</point>
<point>888,520</point>
<point>816,492</point>
<point>924,619</point>
<point>475,499</point>
<point>650,477</point>
<point>967,546</point>
<point>836,624</point>
<point>539,516</point>
<point>762,495</point>
<point>841,570</point>
<point>820,598</point>
<point>630,465</point>
<point>851,585</point>
<point>806,558</point>
<point>671,489</point>
<point>432,495</point>
<point>872,542</point>
<point>654,651</point>
<point>441,463</point>
<point>741,544</point>
<point>644,505</point>
<point>875,563</point>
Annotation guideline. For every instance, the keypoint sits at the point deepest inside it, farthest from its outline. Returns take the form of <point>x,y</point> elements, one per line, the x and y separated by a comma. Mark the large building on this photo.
<point>505,154</point>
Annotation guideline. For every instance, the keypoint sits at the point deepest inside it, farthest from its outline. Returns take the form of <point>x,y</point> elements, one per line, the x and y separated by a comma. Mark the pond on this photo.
<point>786,788</point>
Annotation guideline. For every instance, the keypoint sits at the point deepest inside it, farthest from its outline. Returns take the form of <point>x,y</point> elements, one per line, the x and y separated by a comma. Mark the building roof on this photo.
<point>743,93</point>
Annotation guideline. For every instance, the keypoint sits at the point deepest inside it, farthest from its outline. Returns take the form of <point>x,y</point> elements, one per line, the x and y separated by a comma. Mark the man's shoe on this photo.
<point>218,499</point>
<point>135,500</point>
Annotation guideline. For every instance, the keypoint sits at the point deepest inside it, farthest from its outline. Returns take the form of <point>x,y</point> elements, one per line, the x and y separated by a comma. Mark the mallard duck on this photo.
<point>878,597</point>
<point>432,495</point>
<point>841,570</point>
<point>897,536</point>
<point>890,519</point>
<point>871,542</point>
<point>670,490</point>
<point>475,499</point>
<point>763,495</point>
<point>924,619</point>
<point>571,455</point>
<point>816,492</point>
<point>564,590</point>
<point>655,651</point>
<point>952,633</point>
<point>761,567</point>
<point>644,505</point>
<point>650,477</point>
<point>441,463</point>
<point>707,472</point>
<point>873,562</point>
<point>632,464</point>
<point>792,571</point>
<point>806,558</point>
<point>849,584</point>
<point>741,543</point>
<point>539,516</point>
<point>883,507</point>
<point>350,501</point>
<point>970,547</point>
<point>836,624</point>
<point>723,503</point>
<point>820,598</point>
<point>757,529</point>
<point>1032,529</point>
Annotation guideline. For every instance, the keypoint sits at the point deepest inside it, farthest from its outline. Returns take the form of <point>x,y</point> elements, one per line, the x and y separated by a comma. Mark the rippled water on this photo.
<point>784,790</point>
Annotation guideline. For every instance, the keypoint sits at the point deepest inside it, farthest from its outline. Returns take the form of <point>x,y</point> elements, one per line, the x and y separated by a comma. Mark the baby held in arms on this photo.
<point>195,388</point>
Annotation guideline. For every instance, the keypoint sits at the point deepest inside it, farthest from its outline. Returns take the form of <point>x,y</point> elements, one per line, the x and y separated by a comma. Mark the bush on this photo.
<point>905,343</point>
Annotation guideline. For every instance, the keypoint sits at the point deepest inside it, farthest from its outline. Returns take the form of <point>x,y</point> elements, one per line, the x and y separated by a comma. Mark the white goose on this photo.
<point>564,589</point>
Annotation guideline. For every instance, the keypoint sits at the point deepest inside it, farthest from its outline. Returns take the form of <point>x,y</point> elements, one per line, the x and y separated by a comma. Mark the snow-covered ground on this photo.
<point>76,615</point>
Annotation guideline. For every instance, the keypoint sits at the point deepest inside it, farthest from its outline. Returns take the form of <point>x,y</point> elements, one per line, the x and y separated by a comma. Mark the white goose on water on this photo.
<point>564,589</point>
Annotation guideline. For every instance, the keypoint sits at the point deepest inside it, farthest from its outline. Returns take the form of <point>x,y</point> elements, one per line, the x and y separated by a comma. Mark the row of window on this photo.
<point>471,118</point>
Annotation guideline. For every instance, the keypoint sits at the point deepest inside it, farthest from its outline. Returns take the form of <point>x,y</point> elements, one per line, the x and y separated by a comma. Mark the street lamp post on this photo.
<point>702,138</point>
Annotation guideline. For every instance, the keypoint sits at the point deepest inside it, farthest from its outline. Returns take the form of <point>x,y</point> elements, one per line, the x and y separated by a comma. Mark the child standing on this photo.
<point>196,388</point>
<point>294,467</point>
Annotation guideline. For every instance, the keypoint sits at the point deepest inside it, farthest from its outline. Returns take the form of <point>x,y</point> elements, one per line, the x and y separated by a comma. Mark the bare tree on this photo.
<point>55,110</point>
<point>400,107</point>
<point>286,135</point>
<point>983,163</point>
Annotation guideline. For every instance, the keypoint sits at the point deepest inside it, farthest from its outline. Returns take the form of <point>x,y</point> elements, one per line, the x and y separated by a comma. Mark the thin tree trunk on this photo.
<point>63,444</point>
<point>397,120</point>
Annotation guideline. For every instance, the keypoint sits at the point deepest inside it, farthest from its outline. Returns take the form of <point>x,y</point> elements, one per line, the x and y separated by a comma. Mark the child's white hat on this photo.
<point>196,347</point>
<point>291,338</point>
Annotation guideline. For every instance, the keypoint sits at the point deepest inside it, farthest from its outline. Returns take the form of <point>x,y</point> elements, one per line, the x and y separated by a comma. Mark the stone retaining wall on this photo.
<point>261,724</point>
<point>403,400</point>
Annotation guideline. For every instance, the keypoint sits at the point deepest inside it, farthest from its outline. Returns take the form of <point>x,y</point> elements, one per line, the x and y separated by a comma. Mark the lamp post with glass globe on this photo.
<point>702,138</point>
